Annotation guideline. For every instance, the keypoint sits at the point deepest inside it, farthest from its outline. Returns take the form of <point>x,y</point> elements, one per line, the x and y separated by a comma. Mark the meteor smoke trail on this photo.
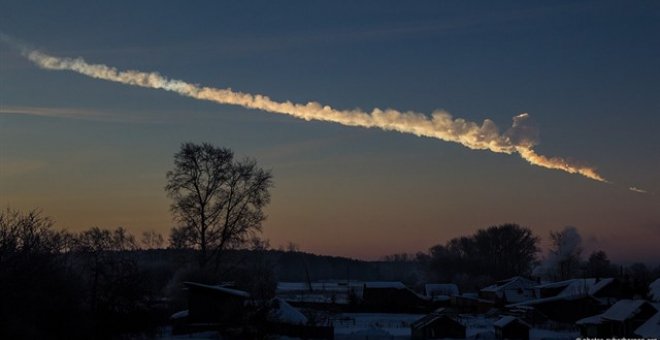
<point>441,125</point>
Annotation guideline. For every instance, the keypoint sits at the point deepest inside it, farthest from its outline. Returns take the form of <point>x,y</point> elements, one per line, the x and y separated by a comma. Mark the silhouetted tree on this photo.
<point>598,265</point>
<point>217,200</point>
<point>116,288</point>
<point>38,292</point>
<point>639,276</point>
<point>655,273</point>
<point>292,247</point>
<point>152,240</point>
<point>403,267</point>
<point>507,250</point>
<point>257,275</point>
<point>493,253</point>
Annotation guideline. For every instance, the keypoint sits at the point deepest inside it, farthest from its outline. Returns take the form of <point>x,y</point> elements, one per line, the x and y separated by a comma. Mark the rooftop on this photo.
<point>623,309</point>
<point>651,328</point>
<point>221,289</point>
<point>507,319</point>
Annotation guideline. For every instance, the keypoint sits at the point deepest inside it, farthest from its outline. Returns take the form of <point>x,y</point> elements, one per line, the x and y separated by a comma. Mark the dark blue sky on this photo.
<point>90,152</point>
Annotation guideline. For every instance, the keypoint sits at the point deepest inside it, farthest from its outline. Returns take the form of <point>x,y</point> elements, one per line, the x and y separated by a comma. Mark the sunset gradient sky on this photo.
<point>94,153</point>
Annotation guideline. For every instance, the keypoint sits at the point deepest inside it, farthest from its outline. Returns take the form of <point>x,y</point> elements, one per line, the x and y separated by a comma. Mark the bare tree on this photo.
<point>598,265</point>
<point>30,233</point>
<point>38,289</point>
<point>217,200</point>
<point>152,240</point>
<point>111,271</point>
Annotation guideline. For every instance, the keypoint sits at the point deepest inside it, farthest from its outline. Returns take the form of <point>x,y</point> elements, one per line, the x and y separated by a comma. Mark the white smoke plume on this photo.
<point>520,138</point>
<point>564,254</point>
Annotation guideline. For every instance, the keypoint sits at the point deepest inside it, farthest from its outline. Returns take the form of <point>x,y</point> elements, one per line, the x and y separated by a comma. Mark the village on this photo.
<point>515,308</point>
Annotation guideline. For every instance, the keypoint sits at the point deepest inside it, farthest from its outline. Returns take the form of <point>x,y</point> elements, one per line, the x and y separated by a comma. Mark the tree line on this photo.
<point>55,282</point>
<point>503,251</point>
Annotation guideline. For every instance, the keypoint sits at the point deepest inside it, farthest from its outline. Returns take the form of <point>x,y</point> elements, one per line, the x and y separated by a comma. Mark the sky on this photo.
<point>89,152</point>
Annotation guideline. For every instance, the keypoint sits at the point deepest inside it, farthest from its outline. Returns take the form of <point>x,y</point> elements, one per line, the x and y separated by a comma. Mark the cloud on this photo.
<point>77,113</point>
<point>52,112</point>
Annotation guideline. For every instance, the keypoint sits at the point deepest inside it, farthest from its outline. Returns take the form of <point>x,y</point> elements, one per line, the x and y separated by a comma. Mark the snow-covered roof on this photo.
<point>572,289</point>
<point>329,286</point>
<point>340,299</point>
<point>591,320</point>
<point>588,286</point>
<point>545,300</point>
<point>514,282</point>
<point>654,290</point>
<point>578,287</point>
<point>623,309</point>
<point>284,313</point>
<point>222,289</point>
<point>620,311</point>
<point>179,315</point>
<point>336,286</point>
<point>600,284</point>
<point>316,286</point>
<point>556,284</point>
<point>651,328</point>
<point>430,318</point>
<point>472,297</point>
<point>507,319</point>
<point>448,289</point>
<point>441,298</point>
<point>385,284</point>
<point>425,320</point>
<point>518,295</point>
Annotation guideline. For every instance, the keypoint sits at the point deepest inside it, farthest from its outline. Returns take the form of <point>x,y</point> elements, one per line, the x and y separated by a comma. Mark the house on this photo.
<point>339,293</point>
<point>381,296</point>
<point>391,297</point>
<point>563,308</point>
<point>607,289</point>
<point>437,325</point>
<point>572,300</point>
<point>440,294</point>
<point>440,290</point>
<point>651,328</point>
<point>509,327</point>
<point>471,303</point>
<point>215,304</point>
<point>319,294</point>
<point>620,320</point>
<point>282,312</point>
<point>284,319</point>
<point>513,290</point>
